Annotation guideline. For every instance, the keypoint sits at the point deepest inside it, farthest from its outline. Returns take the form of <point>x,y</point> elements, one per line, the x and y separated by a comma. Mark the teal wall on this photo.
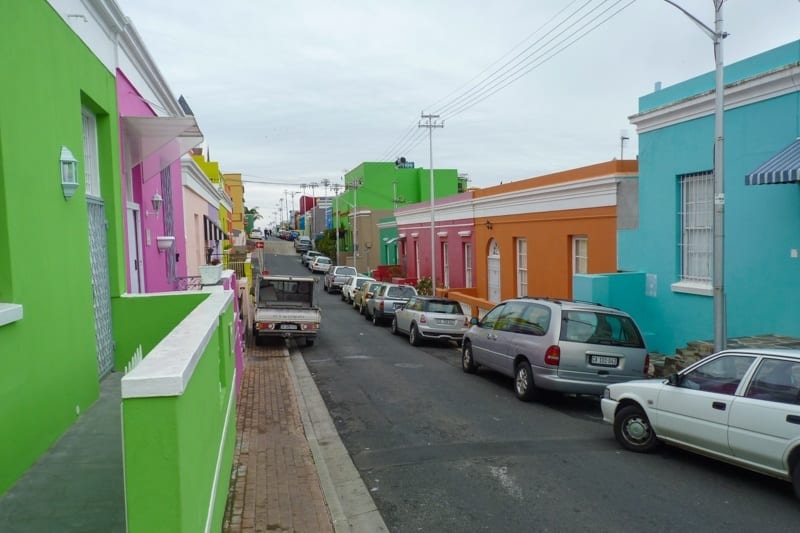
<point>48,360</point>
<point>172,444</point>
<point>762,223</point>
<point>388,250</point>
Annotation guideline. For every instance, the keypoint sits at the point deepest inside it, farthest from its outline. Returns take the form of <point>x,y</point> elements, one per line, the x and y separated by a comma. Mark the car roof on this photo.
<point>288,278</point>
<point>777,352</point>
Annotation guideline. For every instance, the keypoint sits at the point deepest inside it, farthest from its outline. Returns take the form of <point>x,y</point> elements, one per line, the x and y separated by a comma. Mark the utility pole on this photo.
<point>355,185</point>
<point>313,231</point>
<point>335,188</point>
<point>394,193</point>
<point>430,124</point>
<point>717,35</point>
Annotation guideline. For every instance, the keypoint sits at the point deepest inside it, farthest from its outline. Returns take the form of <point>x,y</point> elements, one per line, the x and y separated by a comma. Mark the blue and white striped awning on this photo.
<point>783,167</point>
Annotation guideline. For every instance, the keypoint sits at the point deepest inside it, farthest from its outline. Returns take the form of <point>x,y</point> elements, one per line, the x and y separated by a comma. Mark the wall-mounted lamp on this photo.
<point>488,224</point>
<point>157,200</point>
<point>69,173</point>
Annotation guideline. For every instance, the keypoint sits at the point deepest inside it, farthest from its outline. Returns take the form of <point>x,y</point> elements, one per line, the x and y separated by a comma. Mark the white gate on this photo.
<point>493,271</point>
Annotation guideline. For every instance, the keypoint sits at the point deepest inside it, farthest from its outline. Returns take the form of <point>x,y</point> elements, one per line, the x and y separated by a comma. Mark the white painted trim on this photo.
<point>167,369</point>
<point>231,396</point>
<point>693,287</point>
<point>745,92</point>
<point>401,235</point>
<point>415,234</point>
<point>582,194</point>
<point>464,233</point>
<point>195,179</point>
<point>10,313</point>
<point>441,234</point>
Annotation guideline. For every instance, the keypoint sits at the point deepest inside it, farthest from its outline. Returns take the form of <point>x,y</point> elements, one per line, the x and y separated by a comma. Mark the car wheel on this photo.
<point>375,320</point>
<point>633,430</point>
<point>395,331</point>
<point>523,382</point>
<point>414,338</point>
<point>796,478</point>
<point>467,362</point>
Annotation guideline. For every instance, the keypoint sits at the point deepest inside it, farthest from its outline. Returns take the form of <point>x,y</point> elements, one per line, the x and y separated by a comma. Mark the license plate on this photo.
<point>288,326</point>
<point>445,321</point>
<point>398,305</point>
<point>603,360</point>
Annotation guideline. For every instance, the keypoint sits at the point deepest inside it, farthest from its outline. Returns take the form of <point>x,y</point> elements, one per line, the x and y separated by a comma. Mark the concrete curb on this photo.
<point>349,501</point>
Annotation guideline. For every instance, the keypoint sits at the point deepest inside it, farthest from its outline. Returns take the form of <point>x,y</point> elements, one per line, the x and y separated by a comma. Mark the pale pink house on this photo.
<point>453,240</point>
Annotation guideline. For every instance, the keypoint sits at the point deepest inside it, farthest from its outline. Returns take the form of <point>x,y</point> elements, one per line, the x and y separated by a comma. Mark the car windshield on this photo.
<point>346,271</point>
<point>600,328</point>
<point>324,260</point>
<point>403,291</point>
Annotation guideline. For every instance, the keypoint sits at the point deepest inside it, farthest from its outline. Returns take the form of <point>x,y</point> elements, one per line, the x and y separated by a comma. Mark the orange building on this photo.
<point>533,235</point>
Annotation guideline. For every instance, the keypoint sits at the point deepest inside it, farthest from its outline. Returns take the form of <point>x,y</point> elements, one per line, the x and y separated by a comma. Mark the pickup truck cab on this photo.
<point>285,308</point>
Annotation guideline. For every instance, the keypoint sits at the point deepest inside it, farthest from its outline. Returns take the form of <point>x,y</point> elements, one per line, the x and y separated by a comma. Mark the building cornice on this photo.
<point>783,80</point>
<point>196,180</point>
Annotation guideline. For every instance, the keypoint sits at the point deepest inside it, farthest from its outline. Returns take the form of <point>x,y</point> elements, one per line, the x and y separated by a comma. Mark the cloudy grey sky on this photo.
<point>290,92</point>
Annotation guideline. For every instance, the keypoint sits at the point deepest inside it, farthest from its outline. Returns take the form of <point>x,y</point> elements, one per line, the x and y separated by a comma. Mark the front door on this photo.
<point>134,248</point>
<point>493,272</point>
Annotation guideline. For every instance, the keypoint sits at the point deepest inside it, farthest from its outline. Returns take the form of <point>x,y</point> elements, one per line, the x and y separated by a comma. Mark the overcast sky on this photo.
<point>291,92</point>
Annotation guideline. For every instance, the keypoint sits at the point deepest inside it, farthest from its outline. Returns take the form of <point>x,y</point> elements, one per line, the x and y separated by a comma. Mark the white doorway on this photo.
<point>493,271</point>
<point>134,247</point>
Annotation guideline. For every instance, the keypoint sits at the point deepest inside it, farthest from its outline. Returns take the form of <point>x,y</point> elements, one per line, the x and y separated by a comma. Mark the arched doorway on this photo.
<point>493,271</point>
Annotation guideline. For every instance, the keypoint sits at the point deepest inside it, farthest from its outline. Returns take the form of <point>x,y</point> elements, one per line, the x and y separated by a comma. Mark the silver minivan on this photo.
<point>557,345</point>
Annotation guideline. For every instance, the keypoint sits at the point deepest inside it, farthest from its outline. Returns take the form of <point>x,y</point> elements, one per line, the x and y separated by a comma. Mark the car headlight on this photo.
<point>607,393</point>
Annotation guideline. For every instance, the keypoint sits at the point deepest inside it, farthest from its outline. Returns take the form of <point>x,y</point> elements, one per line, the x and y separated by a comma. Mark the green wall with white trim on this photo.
<point>48,359</point>
<point>172,445</point>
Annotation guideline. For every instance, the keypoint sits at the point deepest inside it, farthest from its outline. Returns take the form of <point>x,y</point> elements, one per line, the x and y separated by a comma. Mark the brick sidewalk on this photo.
<point>274,484</point>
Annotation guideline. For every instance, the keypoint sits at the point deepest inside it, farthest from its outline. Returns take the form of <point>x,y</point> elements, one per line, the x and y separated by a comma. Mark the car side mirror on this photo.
<point>473,321</point>
<point>674,379</point>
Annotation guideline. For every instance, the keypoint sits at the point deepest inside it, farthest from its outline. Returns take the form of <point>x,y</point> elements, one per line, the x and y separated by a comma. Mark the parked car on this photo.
<point>351,286</point>
<point>302,244</point>
<point>306,258</point>
<point>389,297</point>
<point>256,234</point>
<point>363,295</point>
<point>336,277</point>
<point>430,318</point>
<point>738,406</point>
<point>320,263</point>
<point>557,345</point>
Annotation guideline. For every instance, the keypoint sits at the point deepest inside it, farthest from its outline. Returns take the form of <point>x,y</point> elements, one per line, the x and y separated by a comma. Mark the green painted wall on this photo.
<point>147,319</point>
<point>379,181</point>
<point>172,444</point>
<point>48,360</point>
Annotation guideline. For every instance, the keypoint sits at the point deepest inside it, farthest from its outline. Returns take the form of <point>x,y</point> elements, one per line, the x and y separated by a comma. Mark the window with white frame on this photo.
<point>91,164</point>
<point>522,267</point>
<point>580,255</point>
<point>697,222</point>
<point>445,265</point>
<point>467,264</point>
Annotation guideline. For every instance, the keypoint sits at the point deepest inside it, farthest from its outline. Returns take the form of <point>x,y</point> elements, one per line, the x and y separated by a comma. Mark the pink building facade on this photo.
<point>152,190</point>
<point>453,249</point>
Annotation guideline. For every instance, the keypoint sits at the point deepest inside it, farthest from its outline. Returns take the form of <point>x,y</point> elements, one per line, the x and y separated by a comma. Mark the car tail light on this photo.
<point>646,369</point>
<point>422,319</point>
<point>553,355</point>
<point>380,306</point>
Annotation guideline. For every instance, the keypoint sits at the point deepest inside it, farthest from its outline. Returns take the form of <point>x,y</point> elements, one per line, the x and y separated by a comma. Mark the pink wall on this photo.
<point>146,182</point>
<point>455,249</point>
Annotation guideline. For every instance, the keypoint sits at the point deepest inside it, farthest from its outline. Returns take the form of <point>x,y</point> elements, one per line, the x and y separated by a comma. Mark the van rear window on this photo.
<point>600,328</point>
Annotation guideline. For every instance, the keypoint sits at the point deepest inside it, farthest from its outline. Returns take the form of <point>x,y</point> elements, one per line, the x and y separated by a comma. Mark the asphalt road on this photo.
<point>443,451</point>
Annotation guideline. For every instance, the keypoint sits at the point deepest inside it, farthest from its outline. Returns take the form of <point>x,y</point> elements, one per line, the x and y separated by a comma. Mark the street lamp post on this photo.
<point>717,35</point>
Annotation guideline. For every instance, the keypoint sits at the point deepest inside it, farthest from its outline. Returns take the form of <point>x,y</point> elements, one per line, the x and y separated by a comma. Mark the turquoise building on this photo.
<point>665,259</point>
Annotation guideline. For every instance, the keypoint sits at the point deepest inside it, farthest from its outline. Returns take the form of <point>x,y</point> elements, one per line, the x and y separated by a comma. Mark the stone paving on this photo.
<point>274,485</point>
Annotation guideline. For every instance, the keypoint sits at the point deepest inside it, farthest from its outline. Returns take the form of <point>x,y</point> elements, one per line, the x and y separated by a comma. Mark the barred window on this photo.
<point>697,222</point>
<point>580,255</point>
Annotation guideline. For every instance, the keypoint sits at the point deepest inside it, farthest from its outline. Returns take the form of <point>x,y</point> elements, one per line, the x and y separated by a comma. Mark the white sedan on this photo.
<point>320,264</point>
<point>739,406</point>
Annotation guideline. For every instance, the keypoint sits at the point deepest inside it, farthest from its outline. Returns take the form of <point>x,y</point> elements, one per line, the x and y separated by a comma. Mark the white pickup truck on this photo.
<point>285,308</point>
